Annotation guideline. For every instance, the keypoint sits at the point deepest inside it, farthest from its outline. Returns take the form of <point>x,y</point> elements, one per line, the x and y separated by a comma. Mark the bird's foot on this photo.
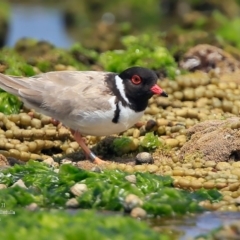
<point>96,159</point>
<point>88,153</point>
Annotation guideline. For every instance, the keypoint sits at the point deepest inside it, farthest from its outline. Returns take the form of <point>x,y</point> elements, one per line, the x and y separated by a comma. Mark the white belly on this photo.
<point>100,123</point>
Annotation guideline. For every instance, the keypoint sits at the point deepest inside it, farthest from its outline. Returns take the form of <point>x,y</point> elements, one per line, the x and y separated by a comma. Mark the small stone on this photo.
<point>138,212</point>
<point>131,201</point>
<point>78,189</point>
<point>129,169</point>
<point>19,183</point>
<point>209,164</point>
<point>151,168</point>
<point>32,207</point>
<point>150,125</point>
<point>3,186</point>
<point>72,203</point>
<point>131,178</point>
<point>144,157</point>
<point>136,133</point>
<point>49,161</point>
<point>3,161</point>
<point>223,166</point>
<point>184,183</point>
<point>237,201</point>
<point>66,161</point>
<point>96,169</point>
<point>171,142</point>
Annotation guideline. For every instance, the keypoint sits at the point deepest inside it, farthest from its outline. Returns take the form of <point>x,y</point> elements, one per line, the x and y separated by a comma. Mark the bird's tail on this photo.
<point>12,84</point>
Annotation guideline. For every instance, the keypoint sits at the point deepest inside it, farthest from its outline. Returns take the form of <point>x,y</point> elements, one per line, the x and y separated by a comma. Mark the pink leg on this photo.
<point>77,136</point>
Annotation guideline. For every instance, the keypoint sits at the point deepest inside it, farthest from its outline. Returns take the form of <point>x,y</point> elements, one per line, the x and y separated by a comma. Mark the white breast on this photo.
<point>99,123</point>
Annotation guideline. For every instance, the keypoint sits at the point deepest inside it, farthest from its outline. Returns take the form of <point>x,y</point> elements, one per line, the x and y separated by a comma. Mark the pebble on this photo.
<point>49,161</point>
<point>131,201</point>
<point>151,168</point>
<point>171,142</point>
<point>3,186</point>
<point>131,178</point>
<point>210,164</point>
<point>66,161</point>
<point>223,166</point>
<point>96,169</point>
<point>144,157</point>
<point>32,207</point>
<point>19,183</point>
<point>3,161</point>
<point>72,203</point>
<point>138,212</point>
<point>78,189</point>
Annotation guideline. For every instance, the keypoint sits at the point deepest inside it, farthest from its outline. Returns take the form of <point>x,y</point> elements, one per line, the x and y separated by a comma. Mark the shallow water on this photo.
<point>189,227</point>
<point>39,22</point>
<point>185,227</point>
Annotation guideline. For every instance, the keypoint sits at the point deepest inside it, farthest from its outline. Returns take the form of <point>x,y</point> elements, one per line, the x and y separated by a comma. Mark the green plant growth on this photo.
<point>144,50</point>
<point>122,145</point>
<point>106,190</point>
<point>15,64</point>
<point>228,30</point>
<point>84,225</point>
<point>150,142</point>
<point>9,104</point>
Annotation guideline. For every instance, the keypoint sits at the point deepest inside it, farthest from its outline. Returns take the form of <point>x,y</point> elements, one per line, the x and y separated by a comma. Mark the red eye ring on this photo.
<point>136,79</point>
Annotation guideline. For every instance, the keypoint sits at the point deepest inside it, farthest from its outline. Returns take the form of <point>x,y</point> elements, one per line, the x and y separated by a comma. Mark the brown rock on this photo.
<point>207,58</point>
<point>3,161</point>
<point>213,140</point>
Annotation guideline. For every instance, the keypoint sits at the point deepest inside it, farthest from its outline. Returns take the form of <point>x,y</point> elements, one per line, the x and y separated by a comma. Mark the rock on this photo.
<point>32,207</point>
<point>150,125</point>
<point>138,212</point>
<point>3,186</point>
<point>72,203</point>
<point>49,161</point>
<point>3,161</point>
<point>213,140</point>
<point>12,161</point>
<point>96,169</point>
<point>132,201</point>
<point>207,58</point>
<point>19,183</point>
<point>66,161</point>
<point>78,189</point>
<point>144,157</point>
<point>131,178</point>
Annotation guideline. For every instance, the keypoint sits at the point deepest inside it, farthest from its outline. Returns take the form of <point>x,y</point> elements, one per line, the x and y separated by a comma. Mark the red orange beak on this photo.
<point>157,90</point>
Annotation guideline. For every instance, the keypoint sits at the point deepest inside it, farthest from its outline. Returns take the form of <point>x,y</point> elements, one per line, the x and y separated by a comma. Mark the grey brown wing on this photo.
<point>58,94</point>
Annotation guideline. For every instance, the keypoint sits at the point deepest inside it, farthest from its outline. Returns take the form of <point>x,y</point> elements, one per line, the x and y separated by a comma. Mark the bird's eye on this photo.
<point>136,79</point>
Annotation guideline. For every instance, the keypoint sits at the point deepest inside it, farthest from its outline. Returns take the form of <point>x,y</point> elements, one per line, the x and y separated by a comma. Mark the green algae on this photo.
<point>84,225</point>
<point>150,142</point>
<point>106,190</point>
<point>15,64</point>
<point>122,145</point>
<point>46,57</point>
<point>86,55</point>
<point>138,52</point>
<point>227,30</point>
<point>9,104</point>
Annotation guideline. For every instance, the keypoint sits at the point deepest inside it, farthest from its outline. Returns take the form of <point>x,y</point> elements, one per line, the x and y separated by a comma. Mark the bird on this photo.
<point>94,103</point>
